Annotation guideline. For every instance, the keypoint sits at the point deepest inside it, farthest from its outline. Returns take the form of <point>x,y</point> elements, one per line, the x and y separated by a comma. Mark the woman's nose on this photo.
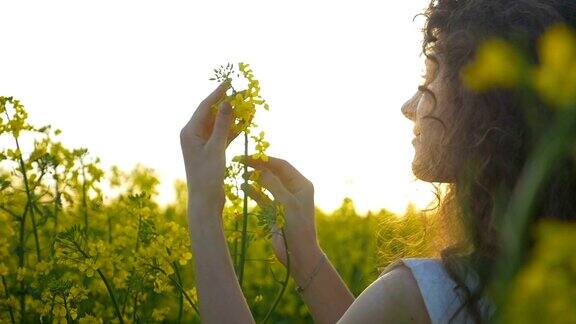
<point>409,107</point>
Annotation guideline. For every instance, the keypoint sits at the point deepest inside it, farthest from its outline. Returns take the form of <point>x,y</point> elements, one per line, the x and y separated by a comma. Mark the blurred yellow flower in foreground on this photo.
<point>557,48</point>
<point>555,78</point>
<point>544,289</point>
<point>497,65</point>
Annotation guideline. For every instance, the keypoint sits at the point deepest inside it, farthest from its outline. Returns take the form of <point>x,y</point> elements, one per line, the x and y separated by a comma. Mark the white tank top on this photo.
<point>439,291</point>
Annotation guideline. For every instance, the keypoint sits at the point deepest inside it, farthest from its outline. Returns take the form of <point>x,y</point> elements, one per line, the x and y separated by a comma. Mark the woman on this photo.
<point>477,143</point>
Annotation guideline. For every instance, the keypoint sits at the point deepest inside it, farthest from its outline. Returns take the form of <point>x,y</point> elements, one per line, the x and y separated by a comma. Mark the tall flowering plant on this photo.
<point>65,254</point>
<point>245,103</point>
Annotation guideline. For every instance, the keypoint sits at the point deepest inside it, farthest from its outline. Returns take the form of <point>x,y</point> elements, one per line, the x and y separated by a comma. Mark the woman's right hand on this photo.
<point>296,193</point>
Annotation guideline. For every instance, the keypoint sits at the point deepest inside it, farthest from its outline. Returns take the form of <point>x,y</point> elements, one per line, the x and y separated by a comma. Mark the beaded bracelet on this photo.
<point>301,289</point>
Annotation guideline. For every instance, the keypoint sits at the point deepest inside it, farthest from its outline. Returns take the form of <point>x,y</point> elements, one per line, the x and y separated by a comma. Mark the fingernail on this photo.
<point>225,108</point>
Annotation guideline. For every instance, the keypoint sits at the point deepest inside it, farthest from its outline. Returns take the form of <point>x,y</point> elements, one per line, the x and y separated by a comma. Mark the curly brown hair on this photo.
<point>491,137</point>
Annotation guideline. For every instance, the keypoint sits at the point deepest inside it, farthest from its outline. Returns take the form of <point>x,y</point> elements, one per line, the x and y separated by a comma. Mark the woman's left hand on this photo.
<point>204,140</point>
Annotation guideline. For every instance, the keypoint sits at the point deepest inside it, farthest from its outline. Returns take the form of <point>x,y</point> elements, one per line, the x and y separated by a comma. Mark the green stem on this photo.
<point>235,248</point>
<point>29,195</point>
<point>106,283</point>
<point>109,228</point>
<point>51,316</point>
<point>111,293</point>
<point>177,284</point>
<point>21,248</point>
<point>22,302</point>
<point>56,199</point>
<point>21,261</point>
<point>245,216</point>
<point>134,318</point>
<point>181,295</point>
<point>137,246</point>
<point>7,297</point>
<point>284,283</point>
<point>33,219</point>
<point>517,216</point>
<point>187,297</point>
<point>68,317</point>
<point>138,233</point>
<point>84,202</point>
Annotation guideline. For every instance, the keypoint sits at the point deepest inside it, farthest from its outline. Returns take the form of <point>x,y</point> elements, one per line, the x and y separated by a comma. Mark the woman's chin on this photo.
<point>420,172</point>
<point>429,173</point>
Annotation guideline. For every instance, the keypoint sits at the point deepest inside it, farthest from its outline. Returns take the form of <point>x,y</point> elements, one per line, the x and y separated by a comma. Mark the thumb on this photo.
<point>222,124</point>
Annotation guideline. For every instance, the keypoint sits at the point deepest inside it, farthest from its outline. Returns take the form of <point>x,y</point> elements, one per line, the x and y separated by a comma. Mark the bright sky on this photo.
<point>121,78</point>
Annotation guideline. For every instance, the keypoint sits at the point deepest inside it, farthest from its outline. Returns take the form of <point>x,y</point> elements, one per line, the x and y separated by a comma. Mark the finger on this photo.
<point>278,190</point>
<point>258,196</point>
<point>202,113</point>
<point>288,174</point>
<point>232,135</point>
<point>275,230</point>
<point>219,137</point>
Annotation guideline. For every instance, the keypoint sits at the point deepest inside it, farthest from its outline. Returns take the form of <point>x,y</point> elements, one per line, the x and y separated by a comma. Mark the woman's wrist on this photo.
<point>201,204</point>
<point>204,220</point>
<point>300,288</point>
<point>303,263</point>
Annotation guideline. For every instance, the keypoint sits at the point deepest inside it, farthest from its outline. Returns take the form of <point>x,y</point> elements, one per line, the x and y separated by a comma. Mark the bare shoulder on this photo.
<point>392,298</point>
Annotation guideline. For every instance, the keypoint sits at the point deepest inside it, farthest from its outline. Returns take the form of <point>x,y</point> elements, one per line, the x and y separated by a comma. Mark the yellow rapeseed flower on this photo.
<point>13,302</point>
<point>43,268</point>
<point>244,102</point>
<point>73,313</point>
<point>120,278</point>
<point>261,147</point>
<point>20,273</point>
<point>160,285</point>
<point>258,299</point>
<point>159,314</point>
<point>59,313</point>
<point>185,257</point>
<point>280,222</point>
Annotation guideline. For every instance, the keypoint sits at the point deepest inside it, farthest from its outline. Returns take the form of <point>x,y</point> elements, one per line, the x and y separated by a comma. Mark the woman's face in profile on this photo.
<point>429,161</point>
